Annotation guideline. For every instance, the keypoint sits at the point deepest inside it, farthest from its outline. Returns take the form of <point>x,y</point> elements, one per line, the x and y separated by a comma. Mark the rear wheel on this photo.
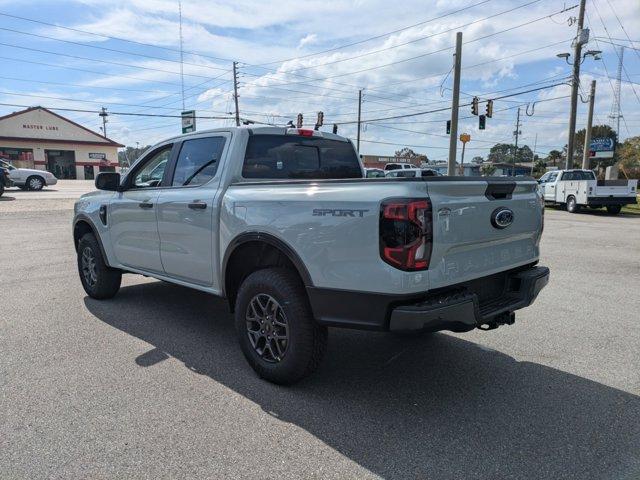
<point>572,205</point>
<point>98,279</point>
<point>275,326</point>
<point>35,183</point>
<point>614,209</point>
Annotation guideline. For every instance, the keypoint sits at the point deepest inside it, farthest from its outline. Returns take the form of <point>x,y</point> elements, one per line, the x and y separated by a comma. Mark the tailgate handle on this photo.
<point>499,191</point>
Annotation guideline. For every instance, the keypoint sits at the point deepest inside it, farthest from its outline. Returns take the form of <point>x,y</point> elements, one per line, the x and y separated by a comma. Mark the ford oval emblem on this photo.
<point>502,217</point>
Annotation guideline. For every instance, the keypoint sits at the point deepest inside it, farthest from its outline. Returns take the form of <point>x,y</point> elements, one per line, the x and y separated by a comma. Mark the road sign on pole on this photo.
<point>189,121</point>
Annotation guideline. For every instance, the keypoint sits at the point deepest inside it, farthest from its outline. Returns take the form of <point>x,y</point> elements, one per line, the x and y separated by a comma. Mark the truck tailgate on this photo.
<point>469,241</point>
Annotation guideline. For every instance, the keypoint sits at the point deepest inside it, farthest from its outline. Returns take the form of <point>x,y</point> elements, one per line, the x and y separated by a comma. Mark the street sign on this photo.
<point>601,147</point>
<point>465,137</point>
<point>189,121</point>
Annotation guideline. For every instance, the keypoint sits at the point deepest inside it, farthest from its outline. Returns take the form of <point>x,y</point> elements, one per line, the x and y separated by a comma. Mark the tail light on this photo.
<point>406,233</point>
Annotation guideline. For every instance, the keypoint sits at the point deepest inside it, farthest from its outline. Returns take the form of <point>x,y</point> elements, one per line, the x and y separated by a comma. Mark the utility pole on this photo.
<point>359,111</point>
<point>103,113</point>
<point>587,133</point>
<point>517,134</point>
<point>533,160</point>
<point>235,92</point>
<point>455,102</point>
<point>181,55</point>
<point>575,83</point>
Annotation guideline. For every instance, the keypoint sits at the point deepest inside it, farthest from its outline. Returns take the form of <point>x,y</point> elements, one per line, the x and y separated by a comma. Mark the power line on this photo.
<point>77,57</point>
<point>377,36</point>
<point>449,108</point>
<point>88,45</point>
<point>417,39</point>
<point>431,52</point>
<point>96,72</point>
<point>110,37</point>
<point>132,114</point>
<point>623,29</point>
<point>31,95</point>
<point>619,57</point>
<point>65,84</point>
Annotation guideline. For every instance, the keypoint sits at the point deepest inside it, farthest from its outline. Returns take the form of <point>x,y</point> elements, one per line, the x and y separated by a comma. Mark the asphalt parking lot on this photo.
<point>152,383</point>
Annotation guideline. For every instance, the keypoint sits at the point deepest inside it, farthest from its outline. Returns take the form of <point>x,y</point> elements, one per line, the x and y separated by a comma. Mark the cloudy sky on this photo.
<point>315,55</point>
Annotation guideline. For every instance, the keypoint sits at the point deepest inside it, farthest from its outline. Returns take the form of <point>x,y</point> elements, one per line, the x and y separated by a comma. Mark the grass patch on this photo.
<point>632,209</point>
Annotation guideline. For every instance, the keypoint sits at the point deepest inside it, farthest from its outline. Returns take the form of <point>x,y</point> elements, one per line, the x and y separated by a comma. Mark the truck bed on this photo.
<point>334,226</point>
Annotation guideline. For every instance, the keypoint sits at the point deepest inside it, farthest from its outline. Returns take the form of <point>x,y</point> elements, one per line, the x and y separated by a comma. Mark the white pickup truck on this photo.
<point>281,223</point>
<point>576,188</point>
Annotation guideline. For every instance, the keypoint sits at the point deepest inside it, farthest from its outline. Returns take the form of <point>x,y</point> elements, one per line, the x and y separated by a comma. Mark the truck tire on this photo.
<point>34,182</point>
<point>275,326</point>
<point>572,205</point>
<point>614,209</point>
<point>98,279</point>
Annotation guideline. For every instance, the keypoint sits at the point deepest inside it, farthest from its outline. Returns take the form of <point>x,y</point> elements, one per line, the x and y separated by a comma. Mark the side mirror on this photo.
<point>109,181</point>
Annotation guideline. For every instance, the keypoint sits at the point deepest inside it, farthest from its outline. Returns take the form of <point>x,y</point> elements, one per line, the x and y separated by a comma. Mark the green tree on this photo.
<point>500,153</point>
<point>525,154</point>
<point>539,168</point>
<point>504,153</point>
<point>477,159</point>
<point>487,169</point>
<point>554,158</point>
<point>629,155</point>
<point>409,155</point>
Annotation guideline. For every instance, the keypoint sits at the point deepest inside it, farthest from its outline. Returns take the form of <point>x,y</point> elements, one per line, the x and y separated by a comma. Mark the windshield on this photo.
<point>6,165</point>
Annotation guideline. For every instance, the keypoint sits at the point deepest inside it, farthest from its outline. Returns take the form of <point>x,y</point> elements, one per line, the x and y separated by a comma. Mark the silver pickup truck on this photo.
<point>281,223</point>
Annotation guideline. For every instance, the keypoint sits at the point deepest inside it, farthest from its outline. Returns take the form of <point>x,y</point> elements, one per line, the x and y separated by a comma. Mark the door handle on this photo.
<point>197,205</point>
<point>145,205</point>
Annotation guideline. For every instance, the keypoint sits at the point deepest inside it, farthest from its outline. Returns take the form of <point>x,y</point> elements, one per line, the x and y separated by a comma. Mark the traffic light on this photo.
<point>474,106</point>
<point>489,111</point>
<point>482,120</point>
<point>299,121</point>
<point>448,127</point>
<point>335,128</point>
<point>320,120</point>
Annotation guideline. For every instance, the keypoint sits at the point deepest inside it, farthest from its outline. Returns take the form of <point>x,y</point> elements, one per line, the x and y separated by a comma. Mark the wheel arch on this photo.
<point>83,225</point>
<point>252,251</point>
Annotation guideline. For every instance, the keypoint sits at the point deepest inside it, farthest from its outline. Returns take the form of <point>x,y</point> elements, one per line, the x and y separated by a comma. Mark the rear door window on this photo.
<point>297,157</point>
<point>198,161</point>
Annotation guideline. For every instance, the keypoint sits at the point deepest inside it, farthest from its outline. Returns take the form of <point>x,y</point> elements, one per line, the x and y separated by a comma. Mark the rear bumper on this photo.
<point>461,311</point>
<point>603,201</point>
<point>458,308</point>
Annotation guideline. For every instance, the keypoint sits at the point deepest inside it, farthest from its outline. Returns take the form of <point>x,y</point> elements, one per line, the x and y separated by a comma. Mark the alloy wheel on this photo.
<point>267,328</point>
<point>89,266</point>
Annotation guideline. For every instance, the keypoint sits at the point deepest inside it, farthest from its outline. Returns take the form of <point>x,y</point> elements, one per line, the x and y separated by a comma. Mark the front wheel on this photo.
<point>98,279</point>
<point>275,326</point>
<point>614,209</point>
<point>35,183</point>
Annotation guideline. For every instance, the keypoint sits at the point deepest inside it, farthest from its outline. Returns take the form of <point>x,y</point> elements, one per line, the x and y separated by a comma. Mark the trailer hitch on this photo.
<point>506,318</point>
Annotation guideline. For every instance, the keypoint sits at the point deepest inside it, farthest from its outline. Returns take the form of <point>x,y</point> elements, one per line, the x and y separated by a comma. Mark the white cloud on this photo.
<point>309,39</point>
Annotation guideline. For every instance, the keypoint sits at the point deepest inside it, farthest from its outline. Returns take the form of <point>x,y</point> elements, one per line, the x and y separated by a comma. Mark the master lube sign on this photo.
<point>189,121</point>
<point>602,147</point>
